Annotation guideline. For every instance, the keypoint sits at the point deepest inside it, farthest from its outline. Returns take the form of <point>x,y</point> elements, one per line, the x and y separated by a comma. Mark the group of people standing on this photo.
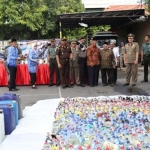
<point>82,63</point>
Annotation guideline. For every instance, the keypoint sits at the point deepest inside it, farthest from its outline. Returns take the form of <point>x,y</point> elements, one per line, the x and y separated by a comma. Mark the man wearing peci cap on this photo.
<point>11,62</point>
<point>82,60</point>
<point>117,58</point>
<point>74,66</point>
<point>93,61</point>
<point>51,57</point>
<point>131,60</point>
<point>63,55</point>
<point>107,65</point>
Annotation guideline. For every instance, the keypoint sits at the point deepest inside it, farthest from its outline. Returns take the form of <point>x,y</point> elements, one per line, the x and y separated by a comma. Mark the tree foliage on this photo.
<point>17,15</point>
<point>147,4</point>
<point>34,19</point>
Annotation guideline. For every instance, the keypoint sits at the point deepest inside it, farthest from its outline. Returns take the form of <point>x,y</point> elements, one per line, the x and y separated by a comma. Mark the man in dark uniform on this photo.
<point>63,54</point>
<point>53,63</point>
<point>82,60</point>
<point>146,55</point>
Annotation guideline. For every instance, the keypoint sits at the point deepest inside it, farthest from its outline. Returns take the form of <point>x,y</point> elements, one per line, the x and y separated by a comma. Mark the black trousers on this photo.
<point>83,71</point>
<point>54,66</point>
<point>33,78</point>
<point>146,64</point>
<point>12,81</point>
<point>92,72</point>
<point>105,73</point>
<point>98,68</point>
<point>115,74</point>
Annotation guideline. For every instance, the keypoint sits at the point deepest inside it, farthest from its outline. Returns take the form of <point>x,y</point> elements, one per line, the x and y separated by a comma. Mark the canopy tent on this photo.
<point>113,18</point>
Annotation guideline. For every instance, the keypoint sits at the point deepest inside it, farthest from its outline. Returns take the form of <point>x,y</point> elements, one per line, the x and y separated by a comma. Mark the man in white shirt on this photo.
<point>117,56</point>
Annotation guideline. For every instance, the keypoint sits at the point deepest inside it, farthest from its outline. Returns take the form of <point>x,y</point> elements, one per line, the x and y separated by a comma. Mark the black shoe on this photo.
<point>78,84</point>
<point>34,87</point>
<point>91,85</point>
<point>112,85</point>
<point>126,84</point>
<point>82,85</point>
<point>72,84</point>
<point>144,81</point>
<point>13,90</point>
<point>57,85</point>
<point>104,84</point>
<point>50,85</point>
<point>133,84</point>
<point>64,87</point>
<point>69,86</point>
<point>17,89</point>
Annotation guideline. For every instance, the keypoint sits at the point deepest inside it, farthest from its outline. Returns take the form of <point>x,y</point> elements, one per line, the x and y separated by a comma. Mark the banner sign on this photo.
<point>26,45</point>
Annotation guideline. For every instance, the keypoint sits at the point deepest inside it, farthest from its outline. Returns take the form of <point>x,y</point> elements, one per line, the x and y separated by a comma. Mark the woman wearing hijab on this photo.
<point>32,65</point>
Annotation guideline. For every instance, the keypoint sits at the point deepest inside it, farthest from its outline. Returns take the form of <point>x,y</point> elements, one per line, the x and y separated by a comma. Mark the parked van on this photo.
<point>108,36</point>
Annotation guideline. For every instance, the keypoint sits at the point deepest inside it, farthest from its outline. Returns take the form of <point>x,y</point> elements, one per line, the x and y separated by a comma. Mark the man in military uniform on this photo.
<point>82,60</point>
<point>63,55</point>
<point>145,56</point>
<point>53,63</point>
<point>74,66</point>
<point>131,60</point>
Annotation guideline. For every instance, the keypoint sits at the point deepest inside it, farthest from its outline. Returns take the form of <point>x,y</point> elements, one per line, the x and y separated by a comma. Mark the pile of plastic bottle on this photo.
<point>121,123</point>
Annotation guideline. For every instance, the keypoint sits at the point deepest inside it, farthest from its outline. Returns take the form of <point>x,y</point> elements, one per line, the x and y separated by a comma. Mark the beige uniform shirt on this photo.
<point>130,51</point>
<point>74,60</point>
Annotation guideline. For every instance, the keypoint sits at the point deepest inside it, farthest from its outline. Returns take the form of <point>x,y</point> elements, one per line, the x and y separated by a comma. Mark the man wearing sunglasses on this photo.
<point>131,60</point>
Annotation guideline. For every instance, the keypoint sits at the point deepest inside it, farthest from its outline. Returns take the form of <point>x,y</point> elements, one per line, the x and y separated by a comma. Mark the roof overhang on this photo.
<point>113,18</point>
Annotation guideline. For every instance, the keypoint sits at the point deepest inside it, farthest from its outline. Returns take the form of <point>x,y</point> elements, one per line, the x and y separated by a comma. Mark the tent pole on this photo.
<point>60,30</point>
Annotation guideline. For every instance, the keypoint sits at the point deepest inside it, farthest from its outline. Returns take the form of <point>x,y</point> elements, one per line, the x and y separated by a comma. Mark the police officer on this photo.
<point>145,56</point>
<point>82,60</point>
<point>12,58</point>
<point>53,63</point>
<point>131,60</point>
<point>74,66</point>
<point>63,54</point>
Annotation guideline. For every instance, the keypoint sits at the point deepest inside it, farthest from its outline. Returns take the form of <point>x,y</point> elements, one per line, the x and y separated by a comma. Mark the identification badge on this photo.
<point>62,53</point>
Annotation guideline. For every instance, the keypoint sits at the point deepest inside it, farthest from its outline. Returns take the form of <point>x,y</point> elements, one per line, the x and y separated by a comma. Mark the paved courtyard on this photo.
<point>30,96</point>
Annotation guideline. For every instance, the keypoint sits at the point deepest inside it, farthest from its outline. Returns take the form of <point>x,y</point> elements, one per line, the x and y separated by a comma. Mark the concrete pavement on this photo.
<point>30,96</point>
